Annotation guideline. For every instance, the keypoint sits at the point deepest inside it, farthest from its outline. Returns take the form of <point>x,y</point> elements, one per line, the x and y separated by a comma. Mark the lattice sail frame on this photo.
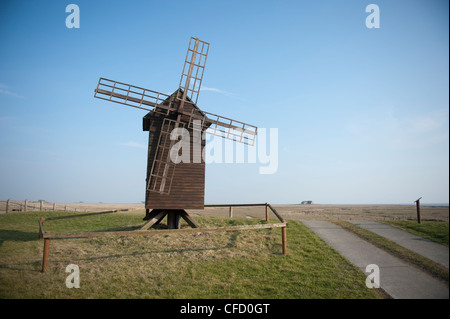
<point>224,127</point>
<point>132,95</point>
<point>165,159</point>
<point>193,69</point>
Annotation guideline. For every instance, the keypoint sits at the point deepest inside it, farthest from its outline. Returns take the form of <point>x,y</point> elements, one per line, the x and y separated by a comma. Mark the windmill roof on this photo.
<point>188,107</point>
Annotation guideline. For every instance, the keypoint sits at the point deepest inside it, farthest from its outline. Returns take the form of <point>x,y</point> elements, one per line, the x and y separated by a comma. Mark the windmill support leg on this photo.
<point>189,219</point>
<point>147,214</point>
<point>155,219</point>
<point>173,219</point>
<point>151,214</point>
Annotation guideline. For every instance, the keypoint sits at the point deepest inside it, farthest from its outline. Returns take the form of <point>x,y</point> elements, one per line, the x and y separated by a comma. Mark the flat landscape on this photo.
<point>231,264</point>
<point>294,212</point>
<point>337,212</point>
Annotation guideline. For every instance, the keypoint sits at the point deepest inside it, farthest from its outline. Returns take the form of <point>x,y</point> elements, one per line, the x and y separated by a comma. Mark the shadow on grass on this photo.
<point>19,236</point>
<point>16,235</point>
<point>20,267</point>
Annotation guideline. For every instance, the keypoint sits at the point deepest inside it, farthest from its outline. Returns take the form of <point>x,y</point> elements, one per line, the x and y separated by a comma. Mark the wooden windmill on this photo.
<point>174,186</point>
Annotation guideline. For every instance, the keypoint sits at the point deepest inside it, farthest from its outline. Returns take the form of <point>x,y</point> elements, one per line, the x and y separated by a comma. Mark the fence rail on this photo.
<point>266,205</point>
<point>9,206</point>
<point>46,235</point>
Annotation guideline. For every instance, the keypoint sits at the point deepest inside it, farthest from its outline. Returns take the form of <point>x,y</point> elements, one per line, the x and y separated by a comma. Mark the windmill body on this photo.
<point>174,186</point>
<point>186,180</point>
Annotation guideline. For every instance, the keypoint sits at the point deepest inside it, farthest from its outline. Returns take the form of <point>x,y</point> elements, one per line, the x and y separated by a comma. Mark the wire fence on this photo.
<point>9,206</point>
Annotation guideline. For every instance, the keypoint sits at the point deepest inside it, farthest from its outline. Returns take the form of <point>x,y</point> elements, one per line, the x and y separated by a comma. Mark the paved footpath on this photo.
<point>399,280</point>
<point>422,246</point>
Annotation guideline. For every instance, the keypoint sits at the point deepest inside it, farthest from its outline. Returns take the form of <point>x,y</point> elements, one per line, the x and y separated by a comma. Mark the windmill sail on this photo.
<point>164,163</point>
<point>131,95</point>
<point>222,126</point>
<point>194,66</point>
<point>231,129</point>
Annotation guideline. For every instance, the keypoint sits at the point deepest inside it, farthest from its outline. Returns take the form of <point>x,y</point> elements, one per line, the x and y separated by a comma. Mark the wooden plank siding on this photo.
<point>188,185</point>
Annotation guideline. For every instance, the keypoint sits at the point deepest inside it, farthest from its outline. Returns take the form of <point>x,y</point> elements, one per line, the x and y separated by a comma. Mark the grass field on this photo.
<point>436,231</point>
<point>234,264</point>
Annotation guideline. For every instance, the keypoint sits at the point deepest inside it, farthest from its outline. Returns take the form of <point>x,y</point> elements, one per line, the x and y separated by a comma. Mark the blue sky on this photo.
<point>362,114</point>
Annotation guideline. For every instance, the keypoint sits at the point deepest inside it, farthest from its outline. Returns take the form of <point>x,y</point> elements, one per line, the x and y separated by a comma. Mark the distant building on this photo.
<point>307,202</point>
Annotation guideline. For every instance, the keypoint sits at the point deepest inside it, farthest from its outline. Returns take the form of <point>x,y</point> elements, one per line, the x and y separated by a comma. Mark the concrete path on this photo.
<point>398,279</point>
<point>422,246</point>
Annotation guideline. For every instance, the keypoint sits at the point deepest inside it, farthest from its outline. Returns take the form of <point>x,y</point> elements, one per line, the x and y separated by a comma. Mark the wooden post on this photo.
<point>65,207</point>
<point>419,218</point>
<point>267,212</point>
<point>54,206</point>
<point>40,205</point>
<point>42,223</point>
<point>283,239</point>
<point>45,255</point>
<point>230,213</point>
<point>7,205</point>
<point>26,203</point>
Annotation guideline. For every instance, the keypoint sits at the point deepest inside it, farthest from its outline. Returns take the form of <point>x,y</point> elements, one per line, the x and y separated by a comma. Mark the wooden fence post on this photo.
<point>40,205</point>
<point>230,212</point>
<point>419,218</point>
<point>54,206</point>
<point>283,239</point>
<point>45,254</point>
<point>26,203</point>
<point>42,223</point>
<point>7,205</point>
<point>267,212</point>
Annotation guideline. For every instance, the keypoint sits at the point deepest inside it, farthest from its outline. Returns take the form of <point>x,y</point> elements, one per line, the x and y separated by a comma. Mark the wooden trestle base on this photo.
<point>174,216</point>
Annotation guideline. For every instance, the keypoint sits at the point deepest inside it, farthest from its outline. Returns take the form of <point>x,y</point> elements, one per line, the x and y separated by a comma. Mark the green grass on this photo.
<point>233,264</point>
<point>434,269</point>
<point>432,230</point>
